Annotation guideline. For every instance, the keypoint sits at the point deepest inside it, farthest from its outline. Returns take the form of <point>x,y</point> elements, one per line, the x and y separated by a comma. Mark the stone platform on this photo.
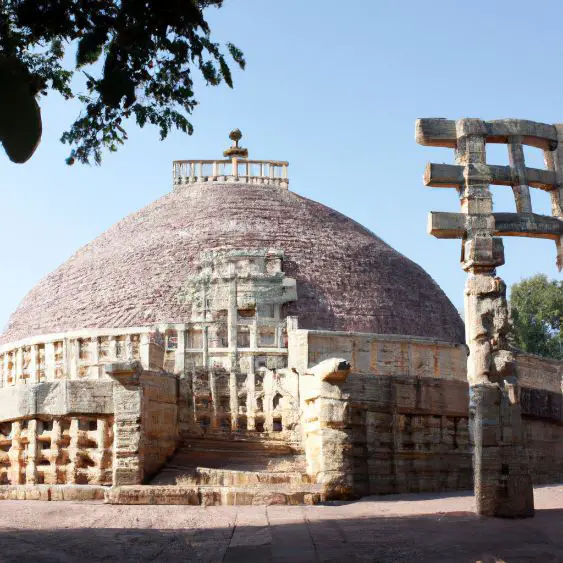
<point>215,495</point>
<point>52,492</point>
<point>429,527</point>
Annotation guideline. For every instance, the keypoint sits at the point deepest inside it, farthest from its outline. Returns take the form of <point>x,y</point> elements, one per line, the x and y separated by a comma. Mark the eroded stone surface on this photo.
<point>502,479</point>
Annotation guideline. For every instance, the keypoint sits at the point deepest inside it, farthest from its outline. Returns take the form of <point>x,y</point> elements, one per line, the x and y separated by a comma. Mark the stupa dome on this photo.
<point>348,279</point>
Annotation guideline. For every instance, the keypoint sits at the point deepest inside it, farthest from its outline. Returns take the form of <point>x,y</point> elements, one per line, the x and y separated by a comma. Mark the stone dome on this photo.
<point>347,278</point>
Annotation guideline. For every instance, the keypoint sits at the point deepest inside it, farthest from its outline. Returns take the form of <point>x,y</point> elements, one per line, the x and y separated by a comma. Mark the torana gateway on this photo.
<point>236,343</point>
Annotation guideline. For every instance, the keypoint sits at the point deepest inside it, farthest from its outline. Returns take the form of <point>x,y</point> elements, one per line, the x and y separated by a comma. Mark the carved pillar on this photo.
<point>15,455</point>
<point>5,371</point>
<point>95,357</point>
<point>180,356</point>
<point>268,388</point>
<point>144,348</point>
<point>49,361</point>
<point>31,461</point>
<point>251,394</point>
<point>66,359</point>
<point>18,371</point>
<point>205,348</point>
<point>56,437</point>
<point>33,364</point>
<point>73,347</point>
<point>214,399</point>
<point>503,485</point>
<point>233,399</point>
<point>113,348</point>
<point>102,452</point>
<point>73,451</point>
<point>518,170</point>
<point>554,161</point>
<point>502,481</point>
<point>193,397</point>
<point>127,445</point>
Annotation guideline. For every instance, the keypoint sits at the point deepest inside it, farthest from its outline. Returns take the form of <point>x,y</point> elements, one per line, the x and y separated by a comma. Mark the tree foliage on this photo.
<point>146,52</point>
<point>537,312</point>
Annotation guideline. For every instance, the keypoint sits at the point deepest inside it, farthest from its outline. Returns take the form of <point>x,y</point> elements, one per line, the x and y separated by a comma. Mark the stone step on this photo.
<point>52,492</point>
<point>232,463</point>
<point>227,477</point>
<point>215,495</point>
<point>239,446</point>
<point>226,460</point>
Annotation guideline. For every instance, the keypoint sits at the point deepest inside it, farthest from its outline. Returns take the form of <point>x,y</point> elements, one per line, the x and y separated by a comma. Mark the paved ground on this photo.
<point>418,528</point>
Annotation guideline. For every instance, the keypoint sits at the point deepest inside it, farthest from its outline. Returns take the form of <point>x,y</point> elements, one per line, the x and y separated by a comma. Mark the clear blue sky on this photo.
<point>334,88</point>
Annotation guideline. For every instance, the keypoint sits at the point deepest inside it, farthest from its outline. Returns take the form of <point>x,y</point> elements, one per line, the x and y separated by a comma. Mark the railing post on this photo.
<point>285,181</point>
<point>192,172</point>
<point>235,168</point>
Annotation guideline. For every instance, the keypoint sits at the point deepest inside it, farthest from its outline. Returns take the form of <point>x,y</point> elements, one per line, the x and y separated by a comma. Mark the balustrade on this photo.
<point>267,172</point>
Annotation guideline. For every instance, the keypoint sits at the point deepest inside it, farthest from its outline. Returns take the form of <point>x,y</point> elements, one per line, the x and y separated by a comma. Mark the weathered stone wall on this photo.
<point>395,434</point>
<point>407,434</point>
<point>117,430</point>
<point>416,433</point>
<point>399,421</point>
<point>57,398</point>
<point>535,372</point>
<point>380,354</point>
<point>545,450</point>
<point>56,450</point>
<point>159,420</point>
<point>56,433</point>
<point>146,421</point>
<point>542,413</point>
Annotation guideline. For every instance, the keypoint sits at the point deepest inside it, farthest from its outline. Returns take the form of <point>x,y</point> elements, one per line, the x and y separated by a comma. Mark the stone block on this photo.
<point>332,413</point>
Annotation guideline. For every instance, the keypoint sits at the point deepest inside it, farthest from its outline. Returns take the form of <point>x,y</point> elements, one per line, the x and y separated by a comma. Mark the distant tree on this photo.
<point>537,312</point>
<point>147,50</point>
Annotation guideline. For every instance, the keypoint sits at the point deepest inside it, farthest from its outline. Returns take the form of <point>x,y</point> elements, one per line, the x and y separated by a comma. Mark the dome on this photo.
<point>347,278</point>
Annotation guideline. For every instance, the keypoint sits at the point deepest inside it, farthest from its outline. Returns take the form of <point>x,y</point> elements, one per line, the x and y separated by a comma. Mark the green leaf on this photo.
<point>90,47</point>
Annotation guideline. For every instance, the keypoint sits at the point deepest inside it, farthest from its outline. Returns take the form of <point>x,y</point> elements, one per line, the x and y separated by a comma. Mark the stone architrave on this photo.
<point>503,485</point>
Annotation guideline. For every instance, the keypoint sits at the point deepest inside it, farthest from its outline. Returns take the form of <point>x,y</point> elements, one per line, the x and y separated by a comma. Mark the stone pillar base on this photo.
<point>503,485</point>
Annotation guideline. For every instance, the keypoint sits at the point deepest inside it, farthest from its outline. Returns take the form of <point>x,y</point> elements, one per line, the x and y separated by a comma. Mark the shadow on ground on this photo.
<point>404,497</point>
<point>450,537</point>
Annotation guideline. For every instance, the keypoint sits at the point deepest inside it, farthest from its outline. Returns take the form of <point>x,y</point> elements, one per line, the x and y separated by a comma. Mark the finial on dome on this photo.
<point>234,150</point>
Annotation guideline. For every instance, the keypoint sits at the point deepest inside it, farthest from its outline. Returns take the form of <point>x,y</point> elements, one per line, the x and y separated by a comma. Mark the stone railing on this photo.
<point>267,172</point>
<point>82,354</point>
<point>79,354</point>
<point>379,354</point>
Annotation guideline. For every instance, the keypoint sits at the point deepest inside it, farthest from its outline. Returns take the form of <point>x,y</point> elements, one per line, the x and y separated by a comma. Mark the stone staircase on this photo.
<point>212,471</point>
<point>232,463</point>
